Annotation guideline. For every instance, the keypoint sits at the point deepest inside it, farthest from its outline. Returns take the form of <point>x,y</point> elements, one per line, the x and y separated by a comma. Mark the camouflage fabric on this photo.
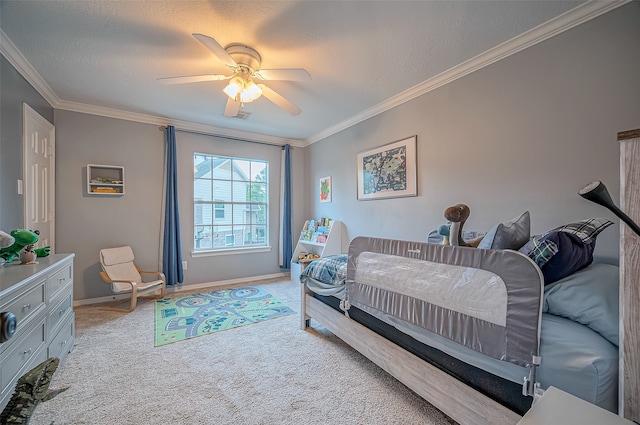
<point>31,389</point>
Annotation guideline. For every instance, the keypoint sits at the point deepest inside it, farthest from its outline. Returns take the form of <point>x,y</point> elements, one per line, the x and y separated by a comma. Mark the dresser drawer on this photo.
<point>58,312</point>
<point>59,279</point>
<point>62,344</point>
<point>28,351</point>
<point>27,305</point>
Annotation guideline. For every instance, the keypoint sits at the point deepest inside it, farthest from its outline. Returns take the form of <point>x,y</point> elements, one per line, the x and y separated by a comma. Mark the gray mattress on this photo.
<point>580,357</point>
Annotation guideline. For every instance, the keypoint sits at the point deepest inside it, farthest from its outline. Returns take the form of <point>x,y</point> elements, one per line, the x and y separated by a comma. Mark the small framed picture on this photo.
<point>388,171</point>
<point>325,189</point>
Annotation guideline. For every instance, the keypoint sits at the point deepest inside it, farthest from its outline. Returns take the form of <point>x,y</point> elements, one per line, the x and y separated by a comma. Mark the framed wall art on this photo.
<point>388,171</point>
<point>325,189</point>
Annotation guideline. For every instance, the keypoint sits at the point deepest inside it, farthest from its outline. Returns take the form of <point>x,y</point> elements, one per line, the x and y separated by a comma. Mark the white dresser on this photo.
<point>41,298</point>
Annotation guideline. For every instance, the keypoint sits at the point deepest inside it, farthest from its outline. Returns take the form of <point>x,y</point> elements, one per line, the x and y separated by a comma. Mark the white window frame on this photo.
<point>255,214</point>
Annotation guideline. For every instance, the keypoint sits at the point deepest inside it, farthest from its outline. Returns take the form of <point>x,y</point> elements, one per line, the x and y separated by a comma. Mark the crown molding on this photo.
<point>188,126</point>
<point>574,17</point>
<point>22,65</point>
<point>585,12</point>
<point>19,62</point>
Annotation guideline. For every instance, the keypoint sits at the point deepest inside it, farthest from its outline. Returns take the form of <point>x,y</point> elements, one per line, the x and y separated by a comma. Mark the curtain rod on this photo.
<point>202,133</point>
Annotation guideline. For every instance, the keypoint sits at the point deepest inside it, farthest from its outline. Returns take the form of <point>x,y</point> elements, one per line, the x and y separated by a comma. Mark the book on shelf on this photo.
<point>103,190</point>
<point>316,230</point>
<point>105,180</point>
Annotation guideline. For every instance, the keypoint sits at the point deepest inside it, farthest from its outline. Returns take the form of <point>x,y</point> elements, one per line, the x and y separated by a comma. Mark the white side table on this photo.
<point>557,407</point>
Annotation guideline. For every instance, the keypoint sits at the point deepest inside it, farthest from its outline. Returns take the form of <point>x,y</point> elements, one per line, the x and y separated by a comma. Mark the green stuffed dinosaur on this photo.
<point>31,389</point>
<point>22,238</point>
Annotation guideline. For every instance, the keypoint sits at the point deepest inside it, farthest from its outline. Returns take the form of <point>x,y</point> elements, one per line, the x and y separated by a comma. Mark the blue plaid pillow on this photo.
<point>586,230</point>
<point>540,251</point>
<point>572,255</point>
<point>566,249</point>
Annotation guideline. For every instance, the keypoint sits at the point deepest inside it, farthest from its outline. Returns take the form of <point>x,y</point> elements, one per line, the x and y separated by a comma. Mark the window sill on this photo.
<point>230,251</point>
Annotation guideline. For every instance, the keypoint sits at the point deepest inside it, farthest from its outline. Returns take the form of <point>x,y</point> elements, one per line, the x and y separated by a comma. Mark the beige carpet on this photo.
<point>266,373</point>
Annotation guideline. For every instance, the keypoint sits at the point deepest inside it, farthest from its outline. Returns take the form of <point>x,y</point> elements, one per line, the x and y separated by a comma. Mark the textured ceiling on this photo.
<point>107,55</point>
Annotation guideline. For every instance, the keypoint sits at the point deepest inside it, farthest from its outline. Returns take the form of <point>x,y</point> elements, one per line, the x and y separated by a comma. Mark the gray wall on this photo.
<point>87,223</point>
<point>522,134</point>
<point>14,90</point>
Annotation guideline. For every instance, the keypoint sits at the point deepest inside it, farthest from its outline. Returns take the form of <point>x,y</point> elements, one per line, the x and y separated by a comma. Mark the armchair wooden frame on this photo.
<point>135,287</point>
<point>126,277</point>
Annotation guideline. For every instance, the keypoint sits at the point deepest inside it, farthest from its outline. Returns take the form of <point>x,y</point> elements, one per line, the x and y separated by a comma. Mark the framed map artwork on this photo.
<point>388,171</point>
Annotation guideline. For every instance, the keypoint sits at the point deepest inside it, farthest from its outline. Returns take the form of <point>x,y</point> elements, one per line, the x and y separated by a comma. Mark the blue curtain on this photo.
<point>171,247</point>
<point>286,242</point>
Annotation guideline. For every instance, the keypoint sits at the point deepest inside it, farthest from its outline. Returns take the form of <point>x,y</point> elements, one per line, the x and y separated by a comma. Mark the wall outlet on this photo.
<point>19,187</point>
<point>184,265</point>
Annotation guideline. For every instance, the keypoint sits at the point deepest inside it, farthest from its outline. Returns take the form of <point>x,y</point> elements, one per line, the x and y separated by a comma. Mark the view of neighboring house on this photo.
<point>230,202</point>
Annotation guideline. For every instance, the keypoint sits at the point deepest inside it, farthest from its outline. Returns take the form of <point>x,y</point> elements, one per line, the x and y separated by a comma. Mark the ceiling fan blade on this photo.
<point>279,100</point>
<point>192,79</point>
<point>293,74</point>
<point>232,108</point>
<point>216,49</point>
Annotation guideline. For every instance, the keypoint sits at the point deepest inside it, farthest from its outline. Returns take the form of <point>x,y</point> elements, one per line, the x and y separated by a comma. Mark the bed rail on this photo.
<point>487,300</point>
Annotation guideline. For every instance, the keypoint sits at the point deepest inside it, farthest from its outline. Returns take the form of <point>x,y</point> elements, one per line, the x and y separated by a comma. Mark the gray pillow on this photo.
<point>588,296</point>
<point>508,235</point>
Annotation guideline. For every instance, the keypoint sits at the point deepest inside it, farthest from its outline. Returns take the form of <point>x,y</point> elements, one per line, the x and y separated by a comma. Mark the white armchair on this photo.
<point>124,276</point>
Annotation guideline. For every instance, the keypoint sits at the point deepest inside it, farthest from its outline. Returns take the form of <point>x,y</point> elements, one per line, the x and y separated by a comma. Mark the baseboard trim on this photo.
<point>187,288</point>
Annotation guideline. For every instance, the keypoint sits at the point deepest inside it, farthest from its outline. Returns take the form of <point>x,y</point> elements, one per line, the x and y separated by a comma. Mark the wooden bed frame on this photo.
<point>468,406</point>
<point>629,348</point>
<point>460,402</point>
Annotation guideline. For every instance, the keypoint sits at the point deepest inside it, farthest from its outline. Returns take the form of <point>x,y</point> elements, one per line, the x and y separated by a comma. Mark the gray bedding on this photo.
<point>575,358</point>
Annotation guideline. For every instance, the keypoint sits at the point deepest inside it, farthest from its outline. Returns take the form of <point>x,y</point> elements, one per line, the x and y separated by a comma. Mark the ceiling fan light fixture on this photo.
<point>251,92</point>
<point>235,86</point>
<point>243,90</point>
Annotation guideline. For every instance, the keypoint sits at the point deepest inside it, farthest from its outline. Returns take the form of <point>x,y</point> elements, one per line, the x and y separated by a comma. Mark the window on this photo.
<point>219,209</point>
<point>230,202</point>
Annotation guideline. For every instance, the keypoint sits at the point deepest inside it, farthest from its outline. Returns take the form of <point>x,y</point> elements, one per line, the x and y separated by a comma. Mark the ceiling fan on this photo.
<point>245,62</point>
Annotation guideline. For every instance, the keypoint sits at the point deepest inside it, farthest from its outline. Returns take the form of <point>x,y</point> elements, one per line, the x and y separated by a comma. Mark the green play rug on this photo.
<point>194,315</point>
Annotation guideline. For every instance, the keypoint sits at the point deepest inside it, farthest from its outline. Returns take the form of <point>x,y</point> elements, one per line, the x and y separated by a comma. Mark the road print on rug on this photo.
<point>177,319</point>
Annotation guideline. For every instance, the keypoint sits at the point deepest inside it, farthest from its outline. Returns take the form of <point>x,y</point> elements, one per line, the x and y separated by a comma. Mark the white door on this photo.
<point>39,175</point>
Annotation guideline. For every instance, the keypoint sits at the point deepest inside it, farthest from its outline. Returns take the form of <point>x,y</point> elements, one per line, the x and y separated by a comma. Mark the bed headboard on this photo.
<point>486,300</point>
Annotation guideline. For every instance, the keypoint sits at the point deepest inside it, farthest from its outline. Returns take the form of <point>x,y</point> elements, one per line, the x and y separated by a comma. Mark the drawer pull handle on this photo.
<point>27,351</point>
<point>62,279</point>
<point>63,343</point>
<point>26,306</point>
<point>60,312</point>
